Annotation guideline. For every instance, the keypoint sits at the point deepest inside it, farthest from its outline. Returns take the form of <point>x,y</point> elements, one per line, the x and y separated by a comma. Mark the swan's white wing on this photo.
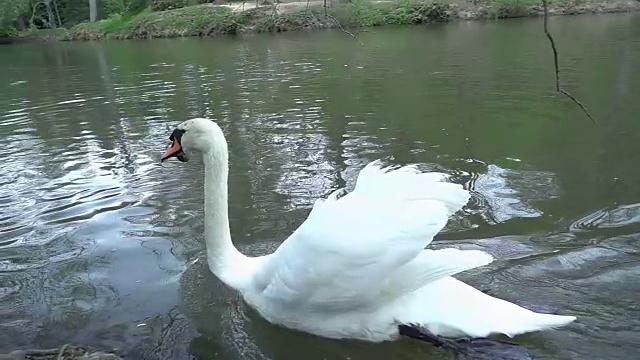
<point>465,311</point>
<point>340,257</point>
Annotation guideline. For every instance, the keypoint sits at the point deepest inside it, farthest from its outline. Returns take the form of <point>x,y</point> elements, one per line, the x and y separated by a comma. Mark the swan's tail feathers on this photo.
<point>512,320</point>
<point>523,316</point>
<point>409,183</point>
<point>479,345</point>
<point>538,322</point>
<point>450,308</point>
<point>555,321</point>
<point>479,348</point>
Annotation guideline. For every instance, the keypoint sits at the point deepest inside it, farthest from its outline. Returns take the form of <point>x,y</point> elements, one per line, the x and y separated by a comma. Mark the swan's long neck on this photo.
<point>222,256</point>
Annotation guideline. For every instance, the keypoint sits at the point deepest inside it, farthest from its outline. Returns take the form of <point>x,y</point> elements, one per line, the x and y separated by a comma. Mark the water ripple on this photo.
<point>609,218</point>
<point>96,234</point>
<point>506,194</point>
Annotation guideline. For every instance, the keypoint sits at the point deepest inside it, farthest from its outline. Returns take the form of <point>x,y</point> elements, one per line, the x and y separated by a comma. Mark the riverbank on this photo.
<point>239,18</point>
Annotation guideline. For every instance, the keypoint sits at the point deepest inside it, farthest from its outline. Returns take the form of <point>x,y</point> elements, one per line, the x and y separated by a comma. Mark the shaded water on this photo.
<point>101,245</point>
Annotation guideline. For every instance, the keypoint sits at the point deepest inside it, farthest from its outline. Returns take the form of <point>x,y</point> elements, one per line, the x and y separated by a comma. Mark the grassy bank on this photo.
<point>205,20</point>
<point>208,19</point>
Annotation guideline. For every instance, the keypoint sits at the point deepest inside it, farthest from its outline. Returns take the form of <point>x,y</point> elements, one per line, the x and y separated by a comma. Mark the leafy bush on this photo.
<point>114,23</point>
<point>511,8</point>
<point>137,6</point>
<point>124,7</point>
<point>162,5</point>
<point>363,13</point>
<point>115,6</point>
<point>430,12</point>
<point>189,21</point>
<point>8,31</point>
<point>202,20</point>
<point>9,10</point>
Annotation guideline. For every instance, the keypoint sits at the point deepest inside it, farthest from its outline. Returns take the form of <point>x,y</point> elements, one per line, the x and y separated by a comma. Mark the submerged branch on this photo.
<point>555,63</point>
<point>66,352</point>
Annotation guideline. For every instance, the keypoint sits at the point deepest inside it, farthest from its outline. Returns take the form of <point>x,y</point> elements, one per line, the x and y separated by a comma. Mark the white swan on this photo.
<point>357,267</point>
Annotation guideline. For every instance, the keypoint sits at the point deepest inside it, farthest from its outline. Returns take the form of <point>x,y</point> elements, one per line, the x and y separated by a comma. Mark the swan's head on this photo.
<point>197,134</point>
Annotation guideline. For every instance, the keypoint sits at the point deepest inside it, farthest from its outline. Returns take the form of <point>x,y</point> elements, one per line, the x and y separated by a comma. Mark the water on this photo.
<point>101,245</point>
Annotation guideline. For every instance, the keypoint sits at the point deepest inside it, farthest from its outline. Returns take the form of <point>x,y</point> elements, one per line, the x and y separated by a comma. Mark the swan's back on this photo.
<point>358,268</point>
<point>343,254</point>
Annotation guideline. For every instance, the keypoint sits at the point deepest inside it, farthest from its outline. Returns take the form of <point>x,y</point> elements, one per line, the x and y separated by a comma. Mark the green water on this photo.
<point>100,245</point>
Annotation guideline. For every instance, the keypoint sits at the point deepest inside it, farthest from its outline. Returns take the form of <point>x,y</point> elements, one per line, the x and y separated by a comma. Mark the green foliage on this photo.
<point>420,13</point>
<point>9,11</point>
<point>201,20</point>
<point>162,5</point>
<point>193,20</point>
<point>188,21</point>
<point>123,7</point>
<point>511,8</point>
<point>74,11</point>
<point>112,7</point>
<point>137,6</point>
<point>265,21</point>
<point>8,31</point>
<point>362,13</point>
<point>114,23</point>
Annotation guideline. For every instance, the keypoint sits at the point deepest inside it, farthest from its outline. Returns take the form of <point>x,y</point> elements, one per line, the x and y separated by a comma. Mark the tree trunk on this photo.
<point>93,11</point>
<point>21,22</point>
<point>57,11</point>
<point>50,16</point>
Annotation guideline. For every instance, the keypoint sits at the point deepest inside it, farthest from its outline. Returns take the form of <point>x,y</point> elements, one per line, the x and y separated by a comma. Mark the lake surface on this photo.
<point>101,245</point>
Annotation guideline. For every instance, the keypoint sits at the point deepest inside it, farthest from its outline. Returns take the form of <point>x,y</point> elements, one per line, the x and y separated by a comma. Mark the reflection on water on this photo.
<point>102,245</point>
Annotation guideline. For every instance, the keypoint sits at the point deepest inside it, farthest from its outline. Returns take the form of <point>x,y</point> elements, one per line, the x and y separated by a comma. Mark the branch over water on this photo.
<point>555,63</point>
<point>354,36</point>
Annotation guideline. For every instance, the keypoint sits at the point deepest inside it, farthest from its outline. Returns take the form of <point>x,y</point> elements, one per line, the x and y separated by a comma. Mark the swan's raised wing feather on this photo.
<point>342,254</point>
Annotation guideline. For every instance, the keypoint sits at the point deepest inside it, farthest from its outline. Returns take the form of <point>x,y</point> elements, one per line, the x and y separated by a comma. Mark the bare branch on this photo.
<point>354,36</point>
<point>275,9</point>
<point>57,13</point>
<point>66,352</point>
<point>33,14</point>
<point>61,353</point>
<point>555,63</point>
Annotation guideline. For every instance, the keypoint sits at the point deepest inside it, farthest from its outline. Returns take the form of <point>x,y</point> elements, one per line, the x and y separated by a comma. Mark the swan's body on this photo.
<point>357,266</point>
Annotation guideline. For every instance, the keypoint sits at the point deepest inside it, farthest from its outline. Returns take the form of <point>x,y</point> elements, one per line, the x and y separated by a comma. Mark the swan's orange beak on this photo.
<point>173,150</point>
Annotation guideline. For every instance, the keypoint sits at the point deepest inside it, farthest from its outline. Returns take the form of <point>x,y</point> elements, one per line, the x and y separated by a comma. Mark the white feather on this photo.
<point>357,267</point>
<point>465,311</point>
